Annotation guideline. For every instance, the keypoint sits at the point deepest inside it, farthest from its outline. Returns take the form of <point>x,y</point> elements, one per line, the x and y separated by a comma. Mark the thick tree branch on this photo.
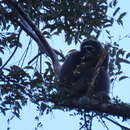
<point>89,104</point>
<point>41,41</point>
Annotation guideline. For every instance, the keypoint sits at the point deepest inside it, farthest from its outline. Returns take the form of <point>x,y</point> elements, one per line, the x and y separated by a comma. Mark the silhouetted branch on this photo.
<point>118,124</point>
<point>88,104</point>
<point>9,58</point>
<point>30,28</point>
<point>57,52</point>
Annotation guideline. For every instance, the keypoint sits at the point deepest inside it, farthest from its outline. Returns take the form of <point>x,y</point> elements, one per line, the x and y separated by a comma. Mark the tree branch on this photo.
<point>41,41</point>
<point>9,58</point>
<point>118,124</point>
<point>89,104</point>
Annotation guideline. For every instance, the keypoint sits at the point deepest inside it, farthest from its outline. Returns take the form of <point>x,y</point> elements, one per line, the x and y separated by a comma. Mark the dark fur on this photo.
<point>77,71</point>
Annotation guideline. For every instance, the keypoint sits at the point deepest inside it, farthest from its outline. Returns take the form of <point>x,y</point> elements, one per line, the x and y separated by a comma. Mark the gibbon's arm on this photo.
<point>69,66</point>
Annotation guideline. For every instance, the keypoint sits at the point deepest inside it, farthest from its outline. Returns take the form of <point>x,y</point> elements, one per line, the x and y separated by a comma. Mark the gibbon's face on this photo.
<point>91,49</point>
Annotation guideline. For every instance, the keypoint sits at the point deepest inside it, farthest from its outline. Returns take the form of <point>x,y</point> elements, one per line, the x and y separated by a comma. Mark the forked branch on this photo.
<point>25,22</point>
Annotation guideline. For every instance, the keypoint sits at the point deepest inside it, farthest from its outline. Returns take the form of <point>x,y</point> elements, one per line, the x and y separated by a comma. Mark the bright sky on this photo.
<point>59,120</point>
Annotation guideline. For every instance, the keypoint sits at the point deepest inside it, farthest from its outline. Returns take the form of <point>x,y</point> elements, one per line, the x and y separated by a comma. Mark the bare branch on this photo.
<point>57,52</point>
<point>118,124</point>
<point>9,58</point>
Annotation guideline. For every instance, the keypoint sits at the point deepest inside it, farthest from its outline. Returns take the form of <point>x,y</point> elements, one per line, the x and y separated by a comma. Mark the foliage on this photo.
<point>76,19</point>
<point>86,18</point>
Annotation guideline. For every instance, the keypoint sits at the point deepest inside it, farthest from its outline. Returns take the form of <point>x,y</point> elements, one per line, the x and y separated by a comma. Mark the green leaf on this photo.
<point>0,61</point>
<point>120,52</point>
<point>121,60</point>
<point>115,3</point>
<point>116,11</point>
<point>128,55</point>
<point>28,67</point>
<point>122,15</point>
<point>123,77</point>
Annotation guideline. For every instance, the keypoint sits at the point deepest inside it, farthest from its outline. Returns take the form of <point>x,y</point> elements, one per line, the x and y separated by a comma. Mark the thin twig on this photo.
<point>9,58</point>
<point>12,53</point>
<point>118,124</point>
<point>34,58</point>
<point>39,54</point>
<point>103,123</point>
<point>25,53</point>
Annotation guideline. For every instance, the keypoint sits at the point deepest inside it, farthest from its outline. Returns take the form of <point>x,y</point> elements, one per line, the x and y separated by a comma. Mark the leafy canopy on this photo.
<point>76,19</point>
